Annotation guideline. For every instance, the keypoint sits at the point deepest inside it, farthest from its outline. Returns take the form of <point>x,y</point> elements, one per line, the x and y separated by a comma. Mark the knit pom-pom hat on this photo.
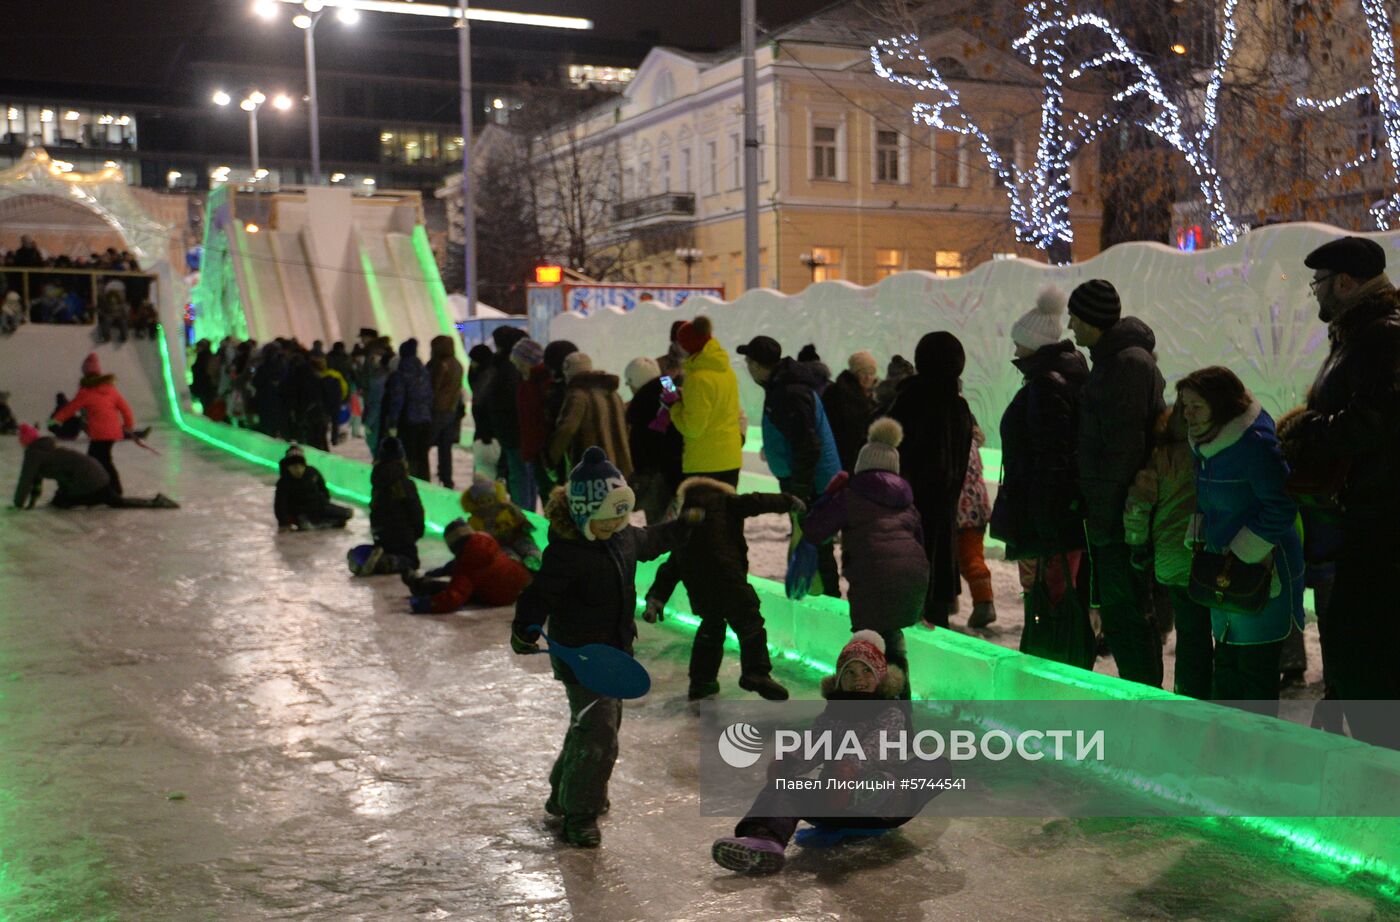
<point>693,334</point>
<point>1043,325</point>
<point>866,647</point>
<point>881,451</point>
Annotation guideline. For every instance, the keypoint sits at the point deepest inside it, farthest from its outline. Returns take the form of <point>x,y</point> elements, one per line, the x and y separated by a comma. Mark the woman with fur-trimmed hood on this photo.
<point>862,699</point>
<point>714,566</point>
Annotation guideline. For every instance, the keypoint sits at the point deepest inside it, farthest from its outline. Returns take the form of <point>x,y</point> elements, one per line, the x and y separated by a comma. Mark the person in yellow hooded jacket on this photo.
<point>707,412</point>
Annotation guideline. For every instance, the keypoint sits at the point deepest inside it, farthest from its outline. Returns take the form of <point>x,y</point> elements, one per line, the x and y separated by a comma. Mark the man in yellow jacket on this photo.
<point>707,414</point>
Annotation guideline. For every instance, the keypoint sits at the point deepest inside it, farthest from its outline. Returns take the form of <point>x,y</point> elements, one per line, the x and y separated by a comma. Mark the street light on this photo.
<point>251,104</point>
<point>813,261</point>
<point>306,21</point>
<point>690,256</point>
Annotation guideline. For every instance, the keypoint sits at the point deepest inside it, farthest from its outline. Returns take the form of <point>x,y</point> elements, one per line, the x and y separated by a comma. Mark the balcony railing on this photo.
<point>665,205</point>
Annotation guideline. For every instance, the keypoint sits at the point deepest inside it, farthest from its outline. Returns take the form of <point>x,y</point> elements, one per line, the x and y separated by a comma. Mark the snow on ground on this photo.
<point>204,719</point>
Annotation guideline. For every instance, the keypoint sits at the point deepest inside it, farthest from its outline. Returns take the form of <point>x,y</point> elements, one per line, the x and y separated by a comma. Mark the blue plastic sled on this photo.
<point>606,670</point>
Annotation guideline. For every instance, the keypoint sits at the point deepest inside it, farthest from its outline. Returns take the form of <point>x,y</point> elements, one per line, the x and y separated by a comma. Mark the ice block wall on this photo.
<point>1246,306</point>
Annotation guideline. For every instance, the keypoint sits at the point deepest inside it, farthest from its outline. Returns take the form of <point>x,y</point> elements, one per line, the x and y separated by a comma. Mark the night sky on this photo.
<point>146,44</point>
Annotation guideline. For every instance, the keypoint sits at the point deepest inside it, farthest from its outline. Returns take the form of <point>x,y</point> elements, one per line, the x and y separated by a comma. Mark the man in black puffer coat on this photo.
<point>1118,409</point>
<point>1352,429</point>
<point>714,565</point>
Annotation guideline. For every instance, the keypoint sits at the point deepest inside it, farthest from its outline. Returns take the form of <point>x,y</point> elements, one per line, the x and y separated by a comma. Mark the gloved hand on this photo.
<point>421,604</point>
<point>526,644</point>
<point>798,507</point>
<point>1140,555</point>
<point>693,516</point>
<point>655,611</point>
<point>662,422</point>
<point>670,398</point>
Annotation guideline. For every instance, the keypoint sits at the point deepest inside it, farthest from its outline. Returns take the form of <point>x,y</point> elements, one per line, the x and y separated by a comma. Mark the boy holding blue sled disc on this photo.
<point>585,591</point>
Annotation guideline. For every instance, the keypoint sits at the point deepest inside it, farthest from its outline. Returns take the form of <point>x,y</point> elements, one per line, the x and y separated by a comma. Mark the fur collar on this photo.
<point>702,484</point>
<point>556,510</point>
<point>1229,432</point>
<point>889,689</point>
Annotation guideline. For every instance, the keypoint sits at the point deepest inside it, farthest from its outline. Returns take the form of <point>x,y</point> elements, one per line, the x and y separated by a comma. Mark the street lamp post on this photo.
<point>813,261</point>
<point>251,104</point>
<point>307,21</point>
<point>690,256</point>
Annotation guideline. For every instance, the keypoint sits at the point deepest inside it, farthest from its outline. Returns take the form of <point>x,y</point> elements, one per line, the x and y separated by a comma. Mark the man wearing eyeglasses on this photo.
<point>1345,451</point>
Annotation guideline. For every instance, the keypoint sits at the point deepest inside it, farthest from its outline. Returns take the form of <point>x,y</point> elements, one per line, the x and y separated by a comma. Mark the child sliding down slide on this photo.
<point>303,502</point>
<point>480,573</point>
<point>862,698</point>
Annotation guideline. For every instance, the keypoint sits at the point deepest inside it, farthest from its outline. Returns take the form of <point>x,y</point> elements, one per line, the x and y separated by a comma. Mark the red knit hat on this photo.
<point>28,435</point>
<point>91,367</point>
<point>693,335</point>
<point>866,647</point>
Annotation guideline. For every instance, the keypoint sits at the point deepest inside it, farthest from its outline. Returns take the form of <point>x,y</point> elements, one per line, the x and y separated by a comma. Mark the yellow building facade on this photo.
<point>850,185</point>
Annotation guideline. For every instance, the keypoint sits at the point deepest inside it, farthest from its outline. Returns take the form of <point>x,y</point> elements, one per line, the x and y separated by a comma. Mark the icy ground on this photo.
<point>203,719</point>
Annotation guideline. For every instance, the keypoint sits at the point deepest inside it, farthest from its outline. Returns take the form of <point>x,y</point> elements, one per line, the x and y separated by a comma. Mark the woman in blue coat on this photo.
<point>1241,508</point>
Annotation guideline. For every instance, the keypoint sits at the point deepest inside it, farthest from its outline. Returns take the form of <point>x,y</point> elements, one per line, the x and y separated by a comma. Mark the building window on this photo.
<point>595,76</point>
<point>1368,122</point>
<point>665,172</point>
<point>644,179</point>
<point>824,152</point>
<point>888,262</point>
<point>736,162</point>
<point>947,263</point>
<point>949,159</point>
<point>827,264</point>
<point>712,177</point>
<point>684,184</point>
<point>887,156</point>
<point>762,154</point>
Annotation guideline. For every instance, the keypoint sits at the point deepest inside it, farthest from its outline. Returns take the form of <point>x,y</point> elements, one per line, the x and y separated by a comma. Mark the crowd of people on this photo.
<point>119,305</point>
<point>1204,517</point>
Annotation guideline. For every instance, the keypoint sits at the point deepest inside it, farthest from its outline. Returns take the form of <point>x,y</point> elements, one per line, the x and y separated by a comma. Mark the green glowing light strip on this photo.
<point>952,657</point>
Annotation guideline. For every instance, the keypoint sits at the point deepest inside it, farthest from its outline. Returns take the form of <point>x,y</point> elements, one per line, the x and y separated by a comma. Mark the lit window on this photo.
<point>950,159</point>
<point>887,263</point>
<point>947,263</point>
<point>887,156</point>
<point>826,264</point>
<point>823,152</point>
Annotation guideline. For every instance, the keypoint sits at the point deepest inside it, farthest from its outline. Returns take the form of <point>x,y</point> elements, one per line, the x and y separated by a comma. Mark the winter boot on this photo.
<point>162,501</point>
<point>701,690</point>
<point>749,854</point>
<point>983,614</point>
<point>764,685</point>
<point>582,831</point>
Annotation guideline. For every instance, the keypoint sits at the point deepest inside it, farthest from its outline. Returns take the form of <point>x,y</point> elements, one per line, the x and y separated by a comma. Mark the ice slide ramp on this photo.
<point>952,666</point>
<point>324,265</point>
<point>40,360</point>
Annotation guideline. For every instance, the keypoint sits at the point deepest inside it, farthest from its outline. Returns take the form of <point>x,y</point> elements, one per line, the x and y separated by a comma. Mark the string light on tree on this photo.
<point>1384,90</point>
<point>1039,195</point>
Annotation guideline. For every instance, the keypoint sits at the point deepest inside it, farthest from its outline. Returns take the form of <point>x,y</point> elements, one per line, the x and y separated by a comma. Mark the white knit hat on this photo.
<point>1042,326</point>
<point>576,364</point>
<point>881,452</point>
<point>640,372</point>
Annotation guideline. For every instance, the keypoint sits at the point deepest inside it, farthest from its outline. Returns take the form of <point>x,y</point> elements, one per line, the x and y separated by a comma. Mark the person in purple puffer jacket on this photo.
<point>882,541</point>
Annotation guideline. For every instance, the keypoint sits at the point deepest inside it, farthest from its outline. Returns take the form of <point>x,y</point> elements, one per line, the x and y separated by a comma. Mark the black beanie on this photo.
<point>940,355</point>
<point>1096,303</point>
<point>555,354</point>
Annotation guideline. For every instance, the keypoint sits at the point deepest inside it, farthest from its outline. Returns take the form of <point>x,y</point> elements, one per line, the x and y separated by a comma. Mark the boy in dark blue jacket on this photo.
<point>302,500</point>
<point>586,591</point>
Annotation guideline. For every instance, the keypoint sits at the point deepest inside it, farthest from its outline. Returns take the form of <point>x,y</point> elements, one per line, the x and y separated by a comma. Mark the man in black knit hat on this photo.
<point>1118,408</point>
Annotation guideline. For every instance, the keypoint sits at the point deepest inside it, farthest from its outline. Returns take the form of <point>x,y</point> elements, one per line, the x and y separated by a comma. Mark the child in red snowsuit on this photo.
<point>480,573</point>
